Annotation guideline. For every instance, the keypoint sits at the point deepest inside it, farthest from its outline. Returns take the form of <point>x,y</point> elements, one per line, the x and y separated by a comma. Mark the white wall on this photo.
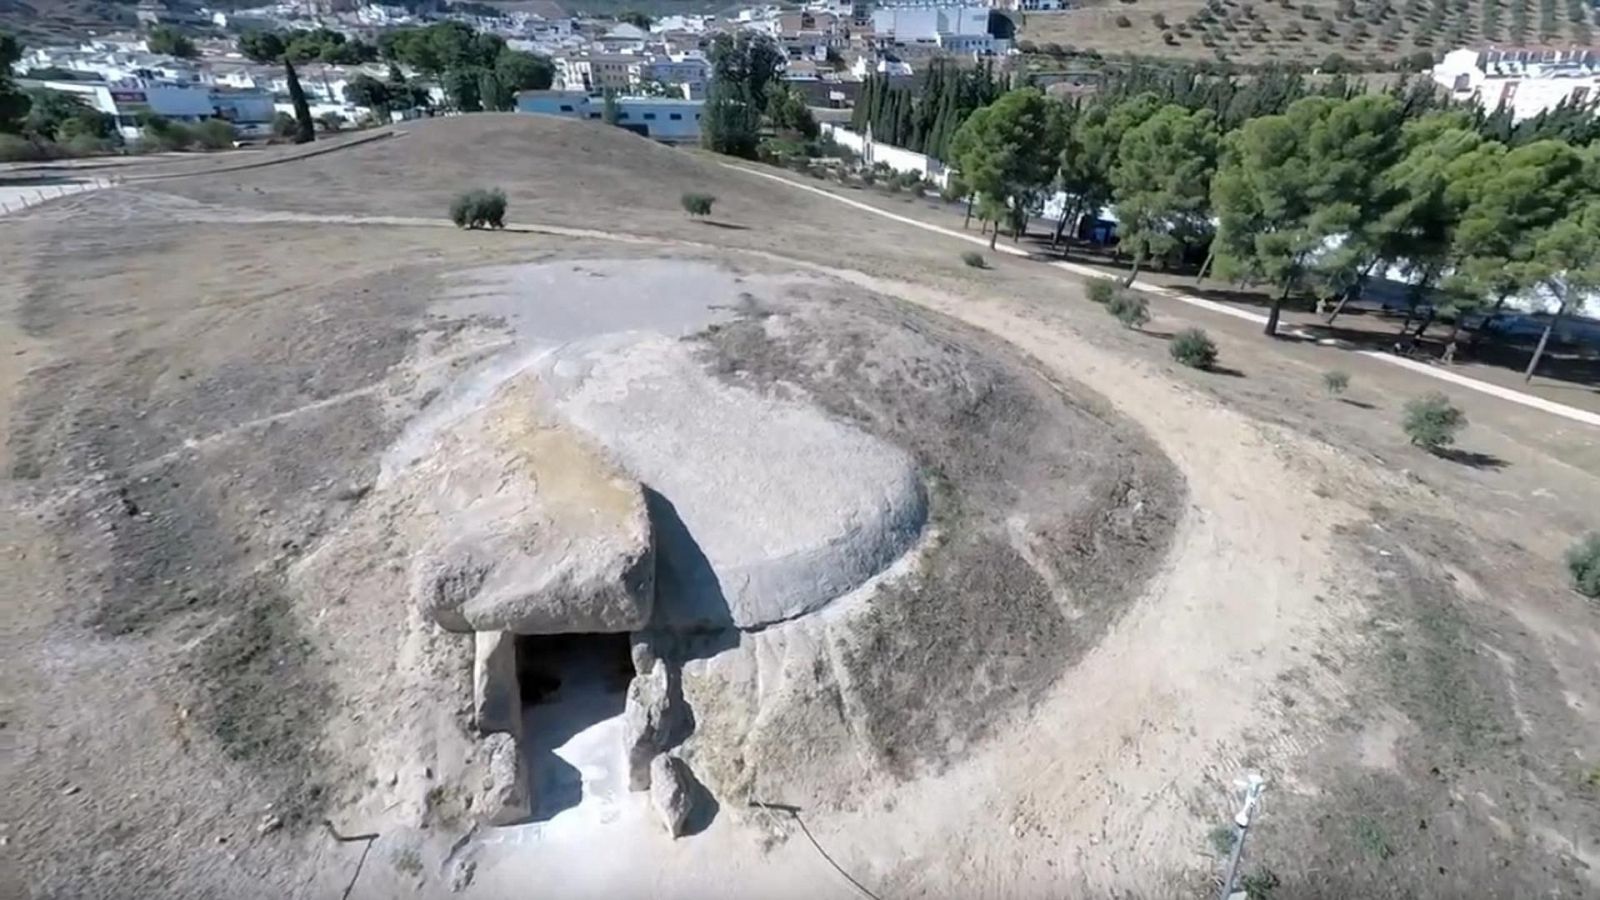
<point>897,158</point>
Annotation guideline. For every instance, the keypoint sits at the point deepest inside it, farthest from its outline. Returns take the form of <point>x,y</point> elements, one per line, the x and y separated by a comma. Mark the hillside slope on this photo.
<point>558,171</point>
<point>1305,32</point>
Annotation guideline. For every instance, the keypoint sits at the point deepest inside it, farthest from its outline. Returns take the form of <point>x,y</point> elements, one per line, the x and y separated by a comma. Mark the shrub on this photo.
<point>908,179</point>
<point>88,145</point>
<point>161,133</point>
<point>1193,348</point>
<point>1583,561</point>
<point>1222,839</point>
<point>214,134</point>
<point>284,126</point>
<point>1432,421</point>
<point>1262,885</point>
<point>1124,22</point>
<point>696,204</point>
<point>974,259</point>
<point>1101,290</point>
<point>15,148</point>
<point>779,150</point>
<point>1417,62</point>
<point>1131,309</point>
<point>479,208</point>
<point>1335,382</point>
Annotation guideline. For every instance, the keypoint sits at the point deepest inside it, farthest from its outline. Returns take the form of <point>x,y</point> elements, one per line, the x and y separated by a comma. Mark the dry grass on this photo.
<point>1259,31</point>
<point>1474,650</point>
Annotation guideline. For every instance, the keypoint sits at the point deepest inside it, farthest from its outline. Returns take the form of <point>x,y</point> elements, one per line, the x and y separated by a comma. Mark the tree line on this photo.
<point>1313,198</point>
<point>476,70</point>
<point>1236,100</point>
<point>924,120</point>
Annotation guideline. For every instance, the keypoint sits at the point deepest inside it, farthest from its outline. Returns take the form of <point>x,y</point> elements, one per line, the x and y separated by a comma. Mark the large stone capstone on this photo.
<point>764,507</point>
<point>533,528</point>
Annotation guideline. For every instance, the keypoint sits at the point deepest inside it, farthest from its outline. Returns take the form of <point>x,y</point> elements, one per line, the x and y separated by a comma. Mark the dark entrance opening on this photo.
<point>570,683</point>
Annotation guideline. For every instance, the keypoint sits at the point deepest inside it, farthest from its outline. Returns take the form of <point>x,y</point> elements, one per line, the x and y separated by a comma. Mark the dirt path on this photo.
<point>1115,780</point>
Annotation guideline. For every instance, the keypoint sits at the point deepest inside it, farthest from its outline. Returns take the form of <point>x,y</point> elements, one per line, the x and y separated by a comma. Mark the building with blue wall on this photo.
<point>671,120</point>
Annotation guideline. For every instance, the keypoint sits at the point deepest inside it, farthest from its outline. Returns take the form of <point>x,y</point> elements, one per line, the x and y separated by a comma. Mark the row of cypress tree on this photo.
<point>924,119</point>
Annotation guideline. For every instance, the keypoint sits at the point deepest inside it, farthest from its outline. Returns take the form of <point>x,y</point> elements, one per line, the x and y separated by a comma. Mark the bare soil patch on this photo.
<point>1276,635</point>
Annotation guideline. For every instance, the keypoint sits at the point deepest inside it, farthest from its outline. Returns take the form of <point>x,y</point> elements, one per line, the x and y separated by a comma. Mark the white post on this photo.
<point>1253,786</point>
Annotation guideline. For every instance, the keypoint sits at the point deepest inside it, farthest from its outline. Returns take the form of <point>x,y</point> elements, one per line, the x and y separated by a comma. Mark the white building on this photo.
<point>598,71</point>
<point>687,24</point>
<point>623,38</point>
<point>686,72</point>
<point>128,99</point>
<point>1527,82</point>
<point>1029,5</point>
<point>111,60</point>
<point>894,68</point>
<point>959,29</point>
<point>666,119</point>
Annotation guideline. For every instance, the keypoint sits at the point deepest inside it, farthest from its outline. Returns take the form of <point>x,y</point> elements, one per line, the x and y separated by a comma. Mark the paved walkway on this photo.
<point>1494,390</point>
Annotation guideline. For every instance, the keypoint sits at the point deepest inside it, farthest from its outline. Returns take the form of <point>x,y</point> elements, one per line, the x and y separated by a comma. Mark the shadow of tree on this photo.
<point>1471,458</point>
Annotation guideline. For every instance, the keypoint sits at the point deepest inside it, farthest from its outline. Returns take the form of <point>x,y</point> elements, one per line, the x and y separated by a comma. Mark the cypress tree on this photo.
<point>861,114</point>
<point>305,129</point>
<point>904,124</point>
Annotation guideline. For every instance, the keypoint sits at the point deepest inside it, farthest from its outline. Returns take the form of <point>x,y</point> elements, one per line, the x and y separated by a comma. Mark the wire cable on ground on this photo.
<point>794,812</point>
<point>348,839</point>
